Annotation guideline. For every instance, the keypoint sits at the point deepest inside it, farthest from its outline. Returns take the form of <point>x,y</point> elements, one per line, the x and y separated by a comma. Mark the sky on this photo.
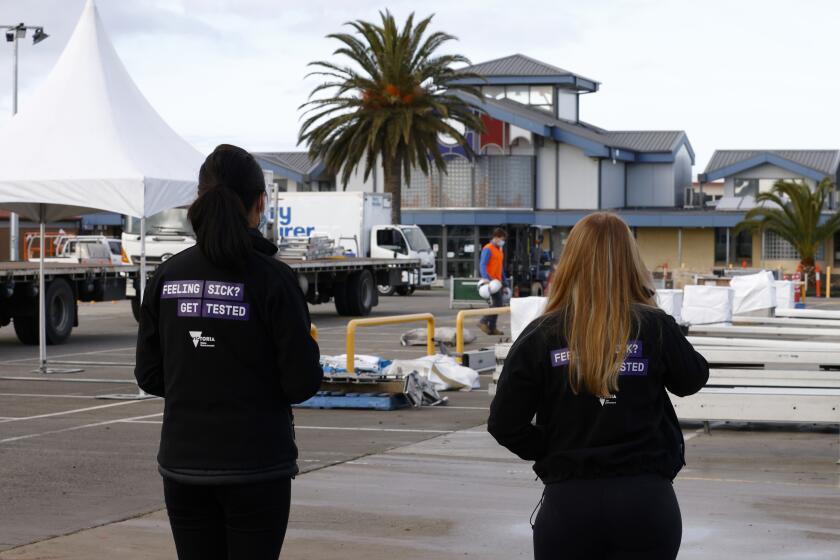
<point>731,73</point>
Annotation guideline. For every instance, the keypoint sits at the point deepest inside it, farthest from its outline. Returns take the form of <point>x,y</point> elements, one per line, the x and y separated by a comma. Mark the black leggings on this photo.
<point>628,517</point>
<point>228,522</point>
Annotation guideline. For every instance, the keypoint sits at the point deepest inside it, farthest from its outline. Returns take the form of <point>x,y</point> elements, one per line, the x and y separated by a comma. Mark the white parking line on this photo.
<point>65,379</point>
<point>47,395</point>
<point>57,356</point>
<point>330,428</point>
<point>66,412</point>
<point>73,428</point>
<point>448,407</point>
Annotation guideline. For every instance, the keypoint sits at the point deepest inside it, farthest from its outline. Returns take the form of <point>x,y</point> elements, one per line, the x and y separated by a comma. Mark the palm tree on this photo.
<point>389,104</point>
<point>792,211</point>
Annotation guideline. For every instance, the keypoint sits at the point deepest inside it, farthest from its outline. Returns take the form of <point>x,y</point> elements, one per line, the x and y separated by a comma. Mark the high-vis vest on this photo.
<point>496,262</point>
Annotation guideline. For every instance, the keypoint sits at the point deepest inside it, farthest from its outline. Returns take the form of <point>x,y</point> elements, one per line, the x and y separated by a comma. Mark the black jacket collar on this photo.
<point>261,244</point>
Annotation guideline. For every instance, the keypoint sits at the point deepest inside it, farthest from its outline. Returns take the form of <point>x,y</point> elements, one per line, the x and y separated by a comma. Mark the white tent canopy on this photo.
<point>89,140</point>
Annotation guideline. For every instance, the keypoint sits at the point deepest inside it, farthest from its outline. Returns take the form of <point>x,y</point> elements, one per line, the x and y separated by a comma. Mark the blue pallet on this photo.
<point>363,401</point>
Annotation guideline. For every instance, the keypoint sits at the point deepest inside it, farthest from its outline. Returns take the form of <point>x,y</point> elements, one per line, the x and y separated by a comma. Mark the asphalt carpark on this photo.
<point>79,479</point>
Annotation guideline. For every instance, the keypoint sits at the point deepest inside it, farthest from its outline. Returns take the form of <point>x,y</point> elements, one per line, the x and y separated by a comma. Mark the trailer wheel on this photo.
<point>60,313</point>
<point>361,296</point>
<point>405,290</point>
<point>387,290</point>
<point>135,308</point>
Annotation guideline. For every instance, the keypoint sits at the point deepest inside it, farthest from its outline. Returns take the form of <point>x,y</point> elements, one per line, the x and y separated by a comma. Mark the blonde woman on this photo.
<point>594,368</point>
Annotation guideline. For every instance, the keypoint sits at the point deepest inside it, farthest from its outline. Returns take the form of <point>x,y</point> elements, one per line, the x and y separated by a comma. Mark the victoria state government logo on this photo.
<point>202,341</point>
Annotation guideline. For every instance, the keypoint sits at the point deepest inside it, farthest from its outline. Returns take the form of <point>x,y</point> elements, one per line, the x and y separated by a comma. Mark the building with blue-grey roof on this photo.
<point>540,167</point>
<point>744,174</point>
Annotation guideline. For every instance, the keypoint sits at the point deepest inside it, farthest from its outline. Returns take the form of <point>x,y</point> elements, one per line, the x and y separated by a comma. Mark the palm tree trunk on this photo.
<point>809,268</point>
<point>392,174</point>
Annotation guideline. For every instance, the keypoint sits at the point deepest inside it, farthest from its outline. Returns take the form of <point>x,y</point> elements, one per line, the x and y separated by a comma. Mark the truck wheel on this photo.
<point>340,299</point>
<point>135,308</point>
<point>405,290</point>
<point>386,290</point>
<point>26,329</point>
<point>60,313</point>
<point>361,295</point>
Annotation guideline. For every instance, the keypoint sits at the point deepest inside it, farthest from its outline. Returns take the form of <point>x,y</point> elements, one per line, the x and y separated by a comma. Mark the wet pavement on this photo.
<point>79,477</point>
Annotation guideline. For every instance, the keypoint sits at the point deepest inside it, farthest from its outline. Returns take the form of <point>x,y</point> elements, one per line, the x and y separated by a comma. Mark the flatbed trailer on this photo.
<point>66,285</point>
<point>349,282</point>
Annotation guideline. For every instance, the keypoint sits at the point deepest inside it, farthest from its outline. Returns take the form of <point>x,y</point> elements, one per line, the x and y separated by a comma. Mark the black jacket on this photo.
<point>229,351</point>
<point>583,436</point>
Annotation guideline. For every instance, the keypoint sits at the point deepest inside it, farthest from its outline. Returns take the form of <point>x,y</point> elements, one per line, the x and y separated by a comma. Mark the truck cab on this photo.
<point>167,233</point>
<point>404,242</point>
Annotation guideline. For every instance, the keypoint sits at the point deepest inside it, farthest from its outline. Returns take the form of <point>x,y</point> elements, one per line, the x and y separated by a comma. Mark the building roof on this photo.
<point>633,145</point>
<point>518,68</point>
<point>297,166</point>
<point>645,140</point>
<point>815,164</point>
<point>296,161</point>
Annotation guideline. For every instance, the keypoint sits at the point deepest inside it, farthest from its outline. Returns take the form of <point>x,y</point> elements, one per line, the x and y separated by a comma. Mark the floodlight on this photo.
<point>10,36</point>
<point>39,35</point>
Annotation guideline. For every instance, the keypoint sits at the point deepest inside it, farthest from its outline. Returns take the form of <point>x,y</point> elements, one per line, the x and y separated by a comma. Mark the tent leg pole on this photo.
<point>42,299</point>
<point>140,392</point>
<point>142,258</point>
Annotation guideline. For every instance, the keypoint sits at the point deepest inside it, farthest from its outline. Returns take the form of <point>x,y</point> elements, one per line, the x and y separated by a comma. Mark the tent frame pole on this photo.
<point>42,300</point>
<point>42,297</point>
<point>142,258</point>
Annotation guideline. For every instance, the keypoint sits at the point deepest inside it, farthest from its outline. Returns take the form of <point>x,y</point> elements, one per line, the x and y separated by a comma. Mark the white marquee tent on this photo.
<point>88,140</point>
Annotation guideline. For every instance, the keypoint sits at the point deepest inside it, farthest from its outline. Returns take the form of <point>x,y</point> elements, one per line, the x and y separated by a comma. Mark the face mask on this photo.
<point>501,243</point>
<point>263,222</point>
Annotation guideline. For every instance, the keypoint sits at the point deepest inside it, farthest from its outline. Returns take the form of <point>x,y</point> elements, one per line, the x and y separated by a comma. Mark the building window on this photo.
<point>567,105</point>
<point>539,97</point>
<point>777,249</point>
<point>435,236</point>
<point>494,92</point>
<point>740,247</point>
<point>751,187</point>
<point>460,251</point>
<point>326,186</point>
<point>746,187</point>
<point>282,185</point>
<point>720,245</point>
<point>743,247</point>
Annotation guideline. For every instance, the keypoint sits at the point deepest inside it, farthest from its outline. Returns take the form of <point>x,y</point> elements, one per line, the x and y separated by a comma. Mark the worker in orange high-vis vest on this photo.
<point>492,267</point>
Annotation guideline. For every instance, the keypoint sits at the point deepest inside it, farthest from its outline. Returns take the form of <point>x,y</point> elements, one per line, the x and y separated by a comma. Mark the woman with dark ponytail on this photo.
<point>224,338</point>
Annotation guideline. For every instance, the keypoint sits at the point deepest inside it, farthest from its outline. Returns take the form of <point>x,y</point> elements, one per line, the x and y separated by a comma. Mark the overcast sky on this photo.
<point>731,73</point>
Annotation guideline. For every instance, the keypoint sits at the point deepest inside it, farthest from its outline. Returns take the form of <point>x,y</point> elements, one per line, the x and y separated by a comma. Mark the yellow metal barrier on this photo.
<point>313,332</point>
<point>459,324</point>
<point>390,320</point>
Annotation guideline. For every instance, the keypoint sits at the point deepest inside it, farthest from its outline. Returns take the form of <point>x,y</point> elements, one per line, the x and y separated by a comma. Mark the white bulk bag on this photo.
<point>753,292</point>
<point>703,305</point>
<point>785,293</point>
<point>443,371</point>
<point>523,311</point>
<point>671,302</point>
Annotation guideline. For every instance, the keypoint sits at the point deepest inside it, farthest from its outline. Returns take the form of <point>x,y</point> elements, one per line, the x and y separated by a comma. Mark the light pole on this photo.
<point>13,34</point>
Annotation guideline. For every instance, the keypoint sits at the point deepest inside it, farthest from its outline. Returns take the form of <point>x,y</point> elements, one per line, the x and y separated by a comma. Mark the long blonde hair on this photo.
<point>598,279</point>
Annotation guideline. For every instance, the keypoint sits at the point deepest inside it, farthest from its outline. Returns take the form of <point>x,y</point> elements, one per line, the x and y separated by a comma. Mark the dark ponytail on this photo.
<point>229,184</point>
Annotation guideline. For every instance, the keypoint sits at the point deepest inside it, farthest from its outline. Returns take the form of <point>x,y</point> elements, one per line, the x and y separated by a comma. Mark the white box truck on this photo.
<point>361,223</point>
